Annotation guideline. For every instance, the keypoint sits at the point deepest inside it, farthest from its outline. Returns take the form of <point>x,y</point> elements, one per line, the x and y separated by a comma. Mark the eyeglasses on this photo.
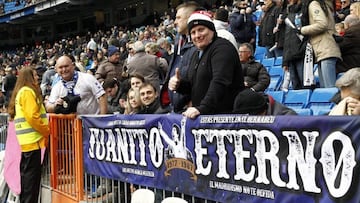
<point>342,2</point>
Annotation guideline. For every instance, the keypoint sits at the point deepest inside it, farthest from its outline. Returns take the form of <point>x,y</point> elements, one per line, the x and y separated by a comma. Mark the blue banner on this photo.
<point>230,158</point>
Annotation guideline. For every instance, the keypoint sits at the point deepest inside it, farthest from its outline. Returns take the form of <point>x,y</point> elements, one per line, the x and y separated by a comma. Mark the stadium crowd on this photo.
<point>195,60</point>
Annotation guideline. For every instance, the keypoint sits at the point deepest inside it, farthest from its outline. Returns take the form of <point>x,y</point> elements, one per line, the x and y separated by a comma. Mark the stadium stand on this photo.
<point>276,71</point>
<point>297,99</point>
<point>320,99</point>
<point>277,95</point>
<point>303,112</point>
<point>268,62</point>
<point>278,61</point>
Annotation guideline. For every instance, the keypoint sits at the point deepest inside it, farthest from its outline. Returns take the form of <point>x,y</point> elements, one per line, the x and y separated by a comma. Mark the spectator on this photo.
<point>110,68</point>
<point>165,49</point>
<point>136,80</point>
<point>294,47</point>
<point>215,76</point>
<point>48,77</point>
<point>133,102</point>
<point>340,29</point>
<point>254,103</point>
<point>344,11</point>
<point>150,100</point>
<point>147,65</point>
<point>2,102</point>
<point>268,22</point>
<point>279,29</point>
<point>27,110</point>
<point>349,85</point>
<point>115,96</point>
<point>222,26</point>
<point>183,51</point>
<point>319,26</point>
<point>355,9</point>
<point>9,81</point>
<point>76,84</point>
<point>255,74</point>
<point>242,25</point>
<point>349,44</point>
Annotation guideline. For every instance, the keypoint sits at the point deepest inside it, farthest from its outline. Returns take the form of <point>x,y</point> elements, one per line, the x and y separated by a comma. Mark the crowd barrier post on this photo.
<point>66,160</point>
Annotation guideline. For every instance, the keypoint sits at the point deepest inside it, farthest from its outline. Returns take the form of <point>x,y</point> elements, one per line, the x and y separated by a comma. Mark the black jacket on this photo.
<point>214,80</point>
<point>350,49</point>
<point>294,48</point>
<point>268,22</point>
<point>242,27</point>
<point>256,75</point>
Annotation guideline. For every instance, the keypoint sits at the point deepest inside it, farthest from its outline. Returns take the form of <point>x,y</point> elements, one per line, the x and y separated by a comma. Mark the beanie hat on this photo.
<point>112,50</point>
<point>200,18</point>
<point>249,102</point>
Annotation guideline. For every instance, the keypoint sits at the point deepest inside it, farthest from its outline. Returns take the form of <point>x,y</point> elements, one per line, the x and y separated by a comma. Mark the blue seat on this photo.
<point>278,61</point>
<point>277,95</point>
<point>268,62</point>
<point>275,83</point>
<point>276,71</point>
<point>260,50</point>
<point>259,56</point>
<point>297,99</point>
<point>320,99</point>
<point>321,112</point>
<point>303,112</point>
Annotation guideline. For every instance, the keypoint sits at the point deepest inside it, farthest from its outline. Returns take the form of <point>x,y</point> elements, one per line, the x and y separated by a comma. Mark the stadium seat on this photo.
<point>276,71</point>
<point>303,112</point>
<point>259,56</point>
<point>322,112</point>
<point>260,50</point>
<point>320,99</point>
<point>275,83</point>
<point>278,61</point>
<point>277,95</point>
<point>297,99</point>
<point>268,62</point>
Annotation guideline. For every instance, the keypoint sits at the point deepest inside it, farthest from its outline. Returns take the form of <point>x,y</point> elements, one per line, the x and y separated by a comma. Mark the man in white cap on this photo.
<point>215,74</point>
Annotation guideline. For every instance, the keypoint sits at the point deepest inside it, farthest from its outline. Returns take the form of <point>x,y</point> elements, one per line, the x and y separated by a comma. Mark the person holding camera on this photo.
<point>77,92</point>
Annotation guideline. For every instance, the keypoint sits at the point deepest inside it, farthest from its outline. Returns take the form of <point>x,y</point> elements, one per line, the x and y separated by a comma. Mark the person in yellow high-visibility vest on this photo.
<point>27,111</point>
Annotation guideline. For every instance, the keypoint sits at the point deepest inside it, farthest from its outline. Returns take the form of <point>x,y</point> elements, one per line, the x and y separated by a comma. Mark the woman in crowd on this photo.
<point>133,102</point>
<point>28,112</point>
<point>319,25</point>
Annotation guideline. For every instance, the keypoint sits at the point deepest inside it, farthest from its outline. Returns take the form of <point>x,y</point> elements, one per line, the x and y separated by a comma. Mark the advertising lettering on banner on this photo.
<point>229,158</point>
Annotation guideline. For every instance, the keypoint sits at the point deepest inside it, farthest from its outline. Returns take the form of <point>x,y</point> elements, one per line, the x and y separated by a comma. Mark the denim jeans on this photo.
<point>327,72</point>
<point>296,68</point>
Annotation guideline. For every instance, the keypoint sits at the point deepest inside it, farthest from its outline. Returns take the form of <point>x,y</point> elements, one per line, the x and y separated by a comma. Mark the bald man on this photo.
<point>79,91</point>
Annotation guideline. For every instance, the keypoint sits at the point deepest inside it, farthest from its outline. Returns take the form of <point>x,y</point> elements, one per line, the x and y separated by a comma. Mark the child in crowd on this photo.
<point>340,29</point>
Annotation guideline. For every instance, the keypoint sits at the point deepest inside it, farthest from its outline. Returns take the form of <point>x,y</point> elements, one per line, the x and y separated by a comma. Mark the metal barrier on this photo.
<point>68,181</point>
<point>66,177</point>
<point>3,129</point>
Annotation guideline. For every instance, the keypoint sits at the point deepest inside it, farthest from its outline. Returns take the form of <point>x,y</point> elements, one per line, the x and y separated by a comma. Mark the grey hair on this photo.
<point>350,79</point>
<point>352,20</point>
<point>249,46</point>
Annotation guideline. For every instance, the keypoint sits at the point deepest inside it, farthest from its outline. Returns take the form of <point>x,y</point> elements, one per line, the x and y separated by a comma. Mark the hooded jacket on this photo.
<point>320,30</point>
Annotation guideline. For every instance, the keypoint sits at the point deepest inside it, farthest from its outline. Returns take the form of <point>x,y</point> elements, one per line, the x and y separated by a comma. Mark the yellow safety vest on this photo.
<point>24,132</point>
